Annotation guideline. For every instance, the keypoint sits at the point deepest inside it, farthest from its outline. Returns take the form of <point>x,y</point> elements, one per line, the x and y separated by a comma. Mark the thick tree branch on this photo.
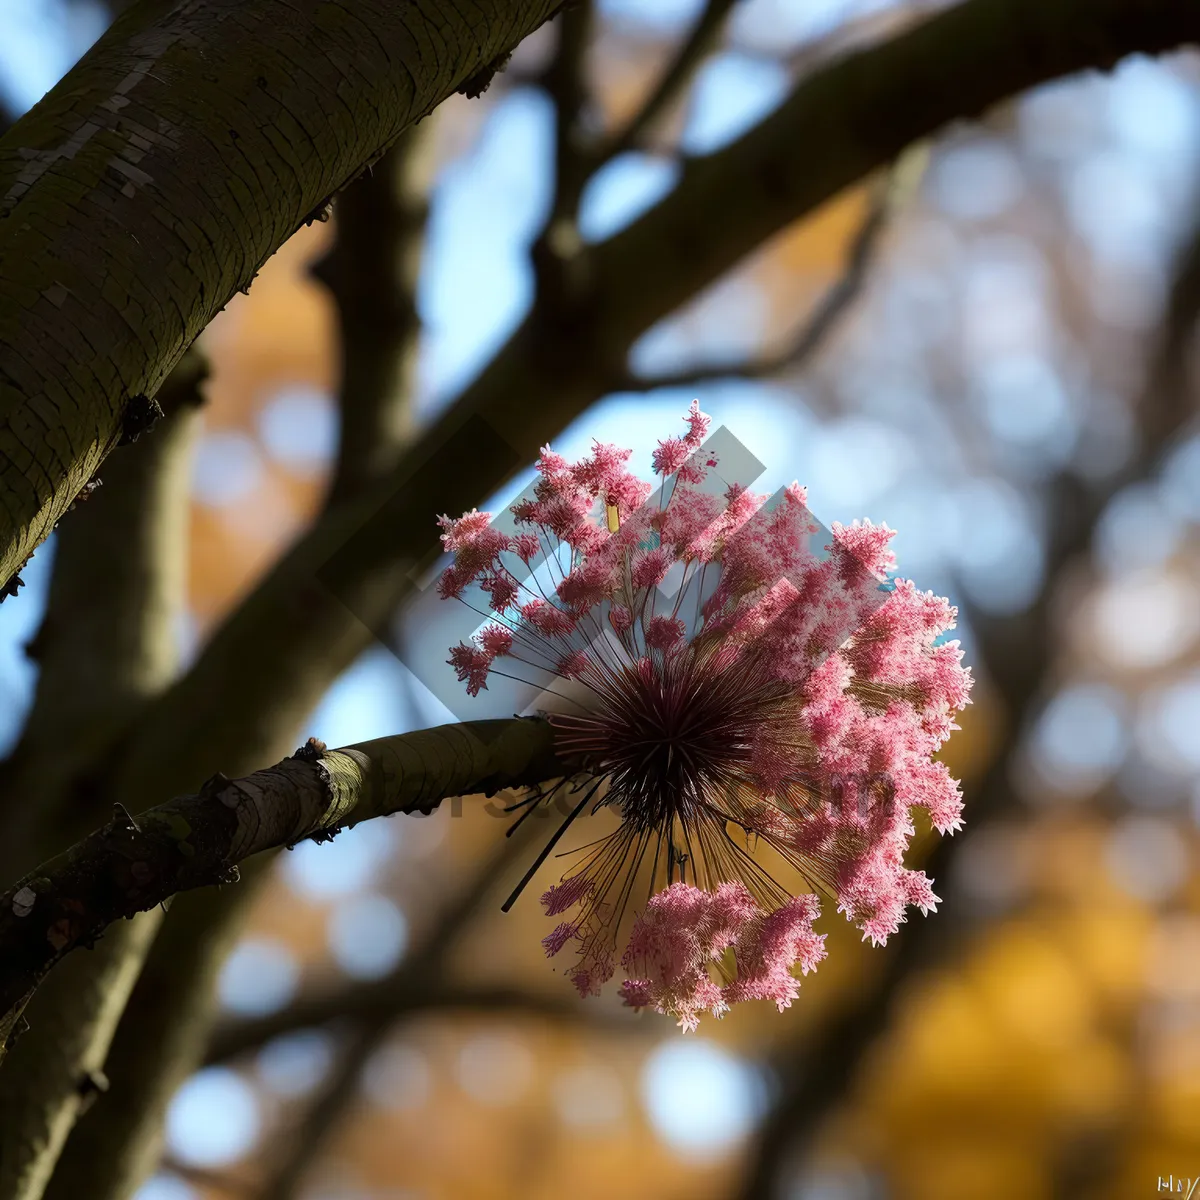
<point>147,188</point>
<point>55,1070</point>
<point>371,271</point>
<point>195,841</point>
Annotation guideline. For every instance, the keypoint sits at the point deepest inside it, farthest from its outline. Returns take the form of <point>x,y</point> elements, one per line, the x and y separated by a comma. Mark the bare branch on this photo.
<point>832,308</point>
<point>699,43</point>
<point>131,865</point>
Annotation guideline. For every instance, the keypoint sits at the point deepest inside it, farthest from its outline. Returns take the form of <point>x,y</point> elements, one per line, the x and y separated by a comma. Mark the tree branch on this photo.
<point>148,188</point>
<point>371,272</point>
<point>700,42</point>
<point>195,841</point>
<point>108,642</point>
<point>833,306</point>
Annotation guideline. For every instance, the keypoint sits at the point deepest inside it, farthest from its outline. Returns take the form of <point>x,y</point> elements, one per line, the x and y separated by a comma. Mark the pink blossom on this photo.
<point>664,632</point>
<point>788,687</point>
<point>684,933</point>
<point>567,894</point>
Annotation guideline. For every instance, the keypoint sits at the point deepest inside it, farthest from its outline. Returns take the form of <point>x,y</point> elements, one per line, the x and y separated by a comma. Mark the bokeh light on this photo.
<point>213,1119</point>
<point>259,977</point>
<point>701,1099</point>
<point>367,936</point>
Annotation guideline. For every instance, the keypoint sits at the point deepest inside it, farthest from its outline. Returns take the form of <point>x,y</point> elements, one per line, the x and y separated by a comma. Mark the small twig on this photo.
<point>698,44</point>
<point>815,332</point>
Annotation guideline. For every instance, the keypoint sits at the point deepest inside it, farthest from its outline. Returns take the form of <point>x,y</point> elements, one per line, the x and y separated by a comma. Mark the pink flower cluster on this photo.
<point>737,681</point>
<point>685,931</point>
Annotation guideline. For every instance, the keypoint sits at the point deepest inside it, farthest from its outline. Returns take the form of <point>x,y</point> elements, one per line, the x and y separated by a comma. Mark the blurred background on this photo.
<point>988,350</point>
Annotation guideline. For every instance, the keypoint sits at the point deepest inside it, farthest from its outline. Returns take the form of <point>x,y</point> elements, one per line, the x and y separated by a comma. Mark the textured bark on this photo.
<point>151,184</point>
<point>109,638</point>
<point>195,841</point>
<point>108,643</point>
